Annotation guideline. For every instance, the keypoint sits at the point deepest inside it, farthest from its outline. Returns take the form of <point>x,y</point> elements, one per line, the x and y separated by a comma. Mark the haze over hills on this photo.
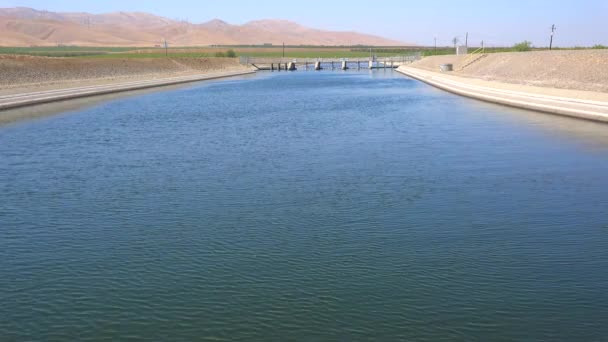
<point>29,27</point>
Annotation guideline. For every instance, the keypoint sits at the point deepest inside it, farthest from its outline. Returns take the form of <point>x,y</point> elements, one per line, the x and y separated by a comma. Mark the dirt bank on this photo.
<point>26,73</point>
<point>578,69</point>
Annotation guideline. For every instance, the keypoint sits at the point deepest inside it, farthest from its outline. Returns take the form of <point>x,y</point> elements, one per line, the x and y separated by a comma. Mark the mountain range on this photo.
<point>23,26</point>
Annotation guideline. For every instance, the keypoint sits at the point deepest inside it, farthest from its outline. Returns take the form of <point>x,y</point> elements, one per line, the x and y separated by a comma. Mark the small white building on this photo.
<point>462,50</point>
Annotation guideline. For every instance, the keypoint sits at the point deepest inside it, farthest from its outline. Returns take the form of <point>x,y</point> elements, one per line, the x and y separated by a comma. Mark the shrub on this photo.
<point>523,46</point>
<point>231,54</point>
<point>599,46</point>
<point>220,54</point>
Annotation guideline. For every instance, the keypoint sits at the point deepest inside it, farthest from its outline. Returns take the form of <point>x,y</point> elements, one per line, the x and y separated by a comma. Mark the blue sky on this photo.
<point>497,22</point>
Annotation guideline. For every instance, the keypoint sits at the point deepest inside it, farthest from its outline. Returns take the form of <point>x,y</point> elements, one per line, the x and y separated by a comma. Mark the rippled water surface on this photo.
<point>312,206</point>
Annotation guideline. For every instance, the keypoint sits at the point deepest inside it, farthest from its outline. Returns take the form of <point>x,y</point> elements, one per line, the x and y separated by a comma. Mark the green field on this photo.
<point>293,54</point>
<point>252,51</point>
<point>122,55</point>
<point>62,51</point>
<point>194,52</point>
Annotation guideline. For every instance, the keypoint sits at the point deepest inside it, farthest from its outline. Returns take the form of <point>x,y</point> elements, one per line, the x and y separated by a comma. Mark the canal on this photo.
<point>315,206</point>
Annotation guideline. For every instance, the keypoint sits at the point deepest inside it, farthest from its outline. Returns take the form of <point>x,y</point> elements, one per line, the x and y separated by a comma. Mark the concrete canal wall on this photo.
<point>579,104</point>
<point>29,80</point>
<point>571,83</point>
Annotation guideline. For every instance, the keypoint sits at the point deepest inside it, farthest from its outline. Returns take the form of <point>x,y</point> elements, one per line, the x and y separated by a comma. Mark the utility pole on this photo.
<point>435,45</point>
<point>283,49</point>
<point>166,49</point>
<point>552,33</point>
<point>466,40</point>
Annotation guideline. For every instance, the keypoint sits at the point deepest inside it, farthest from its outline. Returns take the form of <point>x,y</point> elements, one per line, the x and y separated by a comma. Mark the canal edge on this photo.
<point>31,99</point>
<point>580,109</point>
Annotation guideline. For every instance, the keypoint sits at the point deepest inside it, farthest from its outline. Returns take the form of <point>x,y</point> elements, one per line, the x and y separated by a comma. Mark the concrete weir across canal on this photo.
<point>292,64</point>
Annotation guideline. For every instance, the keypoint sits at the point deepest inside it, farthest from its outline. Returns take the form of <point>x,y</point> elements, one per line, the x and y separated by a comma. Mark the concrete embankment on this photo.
<point>44,73</point>
<point>33,98</point>
<point>29,81</point>
<point>546,89</point>
<point>573,69</point>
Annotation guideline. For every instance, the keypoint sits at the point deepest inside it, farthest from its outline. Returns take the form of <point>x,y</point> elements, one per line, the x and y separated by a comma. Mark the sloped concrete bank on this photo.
<point>560,69</point>
<point>574,103</point>
<point>40,97</point>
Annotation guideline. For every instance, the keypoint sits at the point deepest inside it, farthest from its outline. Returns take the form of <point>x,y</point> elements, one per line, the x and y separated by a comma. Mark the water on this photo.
<point>311,206</point>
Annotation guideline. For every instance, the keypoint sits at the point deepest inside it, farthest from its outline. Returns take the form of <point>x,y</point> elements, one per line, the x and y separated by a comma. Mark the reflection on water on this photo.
<point>321,206</point>
<point>590,132</point>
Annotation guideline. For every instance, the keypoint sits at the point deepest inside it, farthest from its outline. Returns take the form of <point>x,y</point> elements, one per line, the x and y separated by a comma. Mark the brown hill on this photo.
<point>27,27</point>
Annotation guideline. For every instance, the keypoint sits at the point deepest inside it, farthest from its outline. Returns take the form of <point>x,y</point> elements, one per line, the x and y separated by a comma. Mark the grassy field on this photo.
<point>62,51</point>
<point>122,52</point>
<point>450,51</point>
<point>197,52</point>
<point>268,51</point>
